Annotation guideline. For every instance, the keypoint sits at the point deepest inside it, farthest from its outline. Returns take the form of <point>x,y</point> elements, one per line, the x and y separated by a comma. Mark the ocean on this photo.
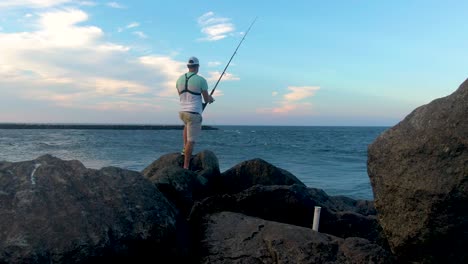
<point>330,158</point>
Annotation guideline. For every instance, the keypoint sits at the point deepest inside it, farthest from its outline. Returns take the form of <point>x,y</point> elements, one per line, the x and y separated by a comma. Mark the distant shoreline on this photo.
<point>98,126</point>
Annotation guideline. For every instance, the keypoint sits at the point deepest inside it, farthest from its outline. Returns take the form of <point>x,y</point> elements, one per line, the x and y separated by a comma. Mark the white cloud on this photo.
<point>66,63</point>
<point>168,67</point>
<point>213,27</point>
<point>115,5</point>
<point>302,92</point>
<point>87,3</point>
<point>214,63</point>
<point>214,76</point>
<point>32,3</point>
<point>58,28</point>
<point>293,101</point>
<point>140,34</point>
<point>133,25</point>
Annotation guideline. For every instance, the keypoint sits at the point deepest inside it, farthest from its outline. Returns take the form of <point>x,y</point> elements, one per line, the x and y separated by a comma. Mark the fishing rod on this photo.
<point>216,85</point>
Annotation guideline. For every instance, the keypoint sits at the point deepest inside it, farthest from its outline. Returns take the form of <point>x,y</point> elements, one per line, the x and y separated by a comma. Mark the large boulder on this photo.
<point>419,174</point>
<point>55,211</point>
<point>182,187</point>
<point>295,205</point>
<point>206,164</point>
<point>252,172</point>
<point>235,238</point>
<point>167,160</point>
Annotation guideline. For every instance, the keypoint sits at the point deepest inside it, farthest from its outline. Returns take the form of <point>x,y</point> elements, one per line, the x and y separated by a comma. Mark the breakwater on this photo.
<point>97,126</point>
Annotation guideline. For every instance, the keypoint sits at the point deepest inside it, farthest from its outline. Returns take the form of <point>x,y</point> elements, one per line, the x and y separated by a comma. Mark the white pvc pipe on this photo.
<point>315,224</point>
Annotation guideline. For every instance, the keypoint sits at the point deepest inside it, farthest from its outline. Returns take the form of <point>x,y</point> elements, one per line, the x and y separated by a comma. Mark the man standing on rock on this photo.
<point>191,88</point>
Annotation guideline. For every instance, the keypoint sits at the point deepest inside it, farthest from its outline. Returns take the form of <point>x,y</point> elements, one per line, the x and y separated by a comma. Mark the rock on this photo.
<point>206,164</point>
<point>295,205</point>
<point>419,174</point>
<point>236,238</point>
<point>182,187</point>
<point>55,211</point>
<point>253,172</point>
<point>168,160</point>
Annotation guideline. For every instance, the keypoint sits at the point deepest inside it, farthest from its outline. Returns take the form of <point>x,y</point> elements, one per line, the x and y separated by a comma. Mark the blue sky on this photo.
<point>303,63</point>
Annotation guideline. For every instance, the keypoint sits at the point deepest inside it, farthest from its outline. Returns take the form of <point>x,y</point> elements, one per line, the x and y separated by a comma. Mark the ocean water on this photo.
<point>330,158</point>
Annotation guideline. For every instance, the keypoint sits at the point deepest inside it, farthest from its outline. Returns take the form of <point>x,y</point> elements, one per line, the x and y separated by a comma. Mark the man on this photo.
<point>191,88</point>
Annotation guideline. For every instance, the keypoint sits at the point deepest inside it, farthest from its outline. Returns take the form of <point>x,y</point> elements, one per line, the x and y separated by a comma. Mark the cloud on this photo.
<point>213,27</point>
<point>299,93</point>
<point>293,101</point>
<point>133,25</point>
<point>87,3</point>
<point>32,3</point>
<point>214,63</point>
<point>115,5</point>
<point>58,28</point>
<point>140,34</point>
<point>214,76</point>
<point>66,63</point>
<point>218,93</point>
<point>170,68</point>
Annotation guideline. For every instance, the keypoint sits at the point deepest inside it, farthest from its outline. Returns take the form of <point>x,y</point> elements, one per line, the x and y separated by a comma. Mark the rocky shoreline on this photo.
<point>57,211</point>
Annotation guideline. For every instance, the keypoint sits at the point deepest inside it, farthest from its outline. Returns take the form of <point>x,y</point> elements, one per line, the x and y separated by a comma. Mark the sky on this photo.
<point>303,63</point>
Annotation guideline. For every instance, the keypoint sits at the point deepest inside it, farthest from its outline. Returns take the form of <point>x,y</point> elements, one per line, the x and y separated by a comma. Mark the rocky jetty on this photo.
<point>57,211</point>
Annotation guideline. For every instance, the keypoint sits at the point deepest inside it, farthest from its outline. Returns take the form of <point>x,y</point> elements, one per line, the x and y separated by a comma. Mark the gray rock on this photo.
<point>254,172</point>
<point>419,175</point>
<point>168,160</point>
<point>54,211</point>
<point>236,238</point>
<point>182,187</point>
<point>206,164</point>
<point>295,205</point>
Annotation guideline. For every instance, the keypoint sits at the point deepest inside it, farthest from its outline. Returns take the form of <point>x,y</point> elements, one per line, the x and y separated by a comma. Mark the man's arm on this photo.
<point>206,97</point>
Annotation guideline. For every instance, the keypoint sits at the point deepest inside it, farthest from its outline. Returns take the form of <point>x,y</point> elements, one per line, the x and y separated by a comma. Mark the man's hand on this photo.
<point>211,100</point>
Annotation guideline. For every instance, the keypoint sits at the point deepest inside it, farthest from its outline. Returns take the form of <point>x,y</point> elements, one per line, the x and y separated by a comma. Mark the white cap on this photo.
<point>192,61</point>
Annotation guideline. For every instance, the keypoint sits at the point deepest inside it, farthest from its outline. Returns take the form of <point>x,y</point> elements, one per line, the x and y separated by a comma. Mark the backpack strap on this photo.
<point>186,90</point>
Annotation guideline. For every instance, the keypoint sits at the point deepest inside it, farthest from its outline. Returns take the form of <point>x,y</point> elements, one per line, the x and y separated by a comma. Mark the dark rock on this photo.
<point>206,164</point>
<point>182,187</point>
<point>236,238</point>
<point>419,175</point>
<point>254,172</point>
<point>168,160</point>
<point>295,205</point>
<point>54,211</point>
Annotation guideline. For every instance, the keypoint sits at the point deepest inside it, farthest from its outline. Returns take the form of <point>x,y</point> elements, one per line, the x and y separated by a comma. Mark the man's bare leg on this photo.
<point>185,136</point>
<point>188,154</point>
